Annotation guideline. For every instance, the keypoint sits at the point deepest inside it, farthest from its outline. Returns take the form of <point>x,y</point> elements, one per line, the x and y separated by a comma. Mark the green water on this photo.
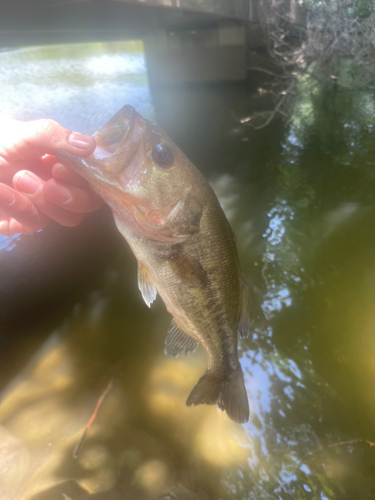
<point>300,198</point>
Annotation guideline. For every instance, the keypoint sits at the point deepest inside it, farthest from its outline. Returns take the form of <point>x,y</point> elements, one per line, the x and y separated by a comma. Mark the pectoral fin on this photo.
<point>178,341</point>
<point>244,321</point>
<point>188,270</point>
<point>145,285</point>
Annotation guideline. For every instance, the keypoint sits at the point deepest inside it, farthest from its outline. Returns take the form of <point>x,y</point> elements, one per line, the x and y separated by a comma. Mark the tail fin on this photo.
<point>229,394</point>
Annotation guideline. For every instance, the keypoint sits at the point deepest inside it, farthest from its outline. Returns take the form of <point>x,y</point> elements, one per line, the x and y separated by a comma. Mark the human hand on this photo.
<point>43,190</point>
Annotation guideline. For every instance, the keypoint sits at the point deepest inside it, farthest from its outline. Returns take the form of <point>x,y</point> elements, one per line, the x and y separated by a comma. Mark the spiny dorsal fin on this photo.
<point>177,341</point>
<point>145,285</point>
<point>244,321</point>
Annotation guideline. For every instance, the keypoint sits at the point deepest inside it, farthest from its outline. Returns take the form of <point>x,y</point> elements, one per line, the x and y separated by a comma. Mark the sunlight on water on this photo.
<point>67,83</point>
<point>8,243</point>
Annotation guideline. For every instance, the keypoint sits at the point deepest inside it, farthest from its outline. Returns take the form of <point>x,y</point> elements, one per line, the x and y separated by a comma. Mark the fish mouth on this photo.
<point>117,145</point>
<point>118,132</point>
<point>87,168</point>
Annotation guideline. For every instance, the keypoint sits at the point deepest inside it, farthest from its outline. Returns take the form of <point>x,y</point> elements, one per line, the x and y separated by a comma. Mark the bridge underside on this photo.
<point>186,41</point>
<point>37,22</point>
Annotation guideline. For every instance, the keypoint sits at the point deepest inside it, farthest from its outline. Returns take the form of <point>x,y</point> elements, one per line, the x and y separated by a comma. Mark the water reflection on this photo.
<point>300,201</point>
<point>8,243</point>
<point>144,423</point>
<point>67,83</point>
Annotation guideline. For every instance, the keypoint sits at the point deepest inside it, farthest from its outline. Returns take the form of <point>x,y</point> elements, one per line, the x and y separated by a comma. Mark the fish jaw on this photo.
<point>122,172</point>
<point>116,131</point>
<point>131,211</point>
<point>101,179</point>
<point>88,168</point>
<point>117,145</point>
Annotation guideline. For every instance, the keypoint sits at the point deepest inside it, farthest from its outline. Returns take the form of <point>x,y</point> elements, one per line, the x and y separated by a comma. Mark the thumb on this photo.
<point>34,139</point>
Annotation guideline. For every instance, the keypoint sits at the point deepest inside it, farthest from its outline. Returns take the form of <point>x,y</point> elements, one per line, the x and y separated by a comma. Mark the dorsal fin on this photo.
<point>244,321</point>
<point>177,340</point>
<point>145,285</point>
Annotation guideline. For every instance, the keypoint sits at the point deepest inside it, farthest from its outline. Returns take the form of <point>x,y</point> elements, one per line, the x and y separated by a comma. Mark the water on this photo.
<point>300,199</point>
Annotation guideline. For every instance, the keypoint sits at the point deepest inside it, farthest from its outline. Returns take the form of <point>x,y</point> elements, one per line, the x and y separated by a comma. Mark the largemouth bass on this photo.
<point>185,248</point>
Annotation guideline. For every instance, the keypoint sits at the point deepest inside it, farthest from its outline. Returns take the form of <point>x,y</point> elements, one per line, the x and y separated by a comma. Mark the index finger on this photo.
<point>34,139</point>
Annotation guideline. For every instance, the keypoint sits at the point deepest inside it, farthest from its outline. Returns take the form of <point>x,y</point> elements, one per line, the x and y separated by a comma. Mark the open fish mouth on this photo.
<point>117,132</point>
<point>117,145</point>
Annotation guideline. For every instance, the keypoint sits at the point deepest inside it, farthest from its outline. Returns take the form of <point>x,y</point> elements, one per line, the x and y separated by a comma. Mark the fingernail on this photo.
<point>80,141</point>
<point>27,183</point>
<point>58,194</point>
<point>6,196</point>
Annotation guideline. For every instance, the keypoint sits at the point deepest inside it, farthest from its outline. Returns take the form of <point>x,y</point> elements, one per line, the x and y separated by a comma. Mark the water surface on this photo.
<point>300,198</point>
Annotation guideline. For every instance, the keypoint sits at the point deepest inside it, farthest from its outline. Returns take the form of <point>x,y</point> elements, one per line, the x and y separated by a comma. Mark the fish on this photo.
<point>185,248</point>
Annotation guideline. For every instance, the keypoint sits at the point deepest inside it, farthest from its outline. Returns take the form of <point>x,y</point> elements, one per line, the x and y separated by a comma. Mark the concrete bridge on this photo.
<point>185,40</point>
<point>30,22</point>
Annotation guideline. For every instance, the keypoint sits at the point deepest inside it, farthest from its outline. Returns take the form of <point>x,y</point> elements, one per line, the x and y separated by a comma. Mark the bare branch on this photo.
<point>334,45</point>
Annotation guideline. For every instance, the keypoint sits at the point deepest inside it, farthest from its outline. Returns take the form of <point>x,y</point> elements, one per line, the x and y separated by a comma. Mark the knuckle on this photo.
<point>79,201</point>
<point>46,125</point>
<point>27,209</point>
<point>49,128</point>
<point>16,227</point>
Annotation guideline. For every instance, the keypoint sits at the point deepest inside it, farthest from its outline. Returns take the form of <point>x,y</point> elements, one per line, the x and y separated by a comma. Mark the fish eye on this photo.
<point>162,155</point>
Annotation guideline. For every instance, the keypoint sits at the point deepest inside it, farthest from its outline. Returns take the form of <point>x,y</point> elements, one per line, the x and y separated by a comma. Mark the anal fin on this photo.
<point>145,285</point>
<point>178,341</point>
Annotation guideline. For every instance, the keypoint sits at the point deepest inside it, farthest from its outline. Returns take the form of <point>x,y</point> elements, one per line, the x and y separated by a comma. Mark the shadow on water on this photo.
<point>300,200</point>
